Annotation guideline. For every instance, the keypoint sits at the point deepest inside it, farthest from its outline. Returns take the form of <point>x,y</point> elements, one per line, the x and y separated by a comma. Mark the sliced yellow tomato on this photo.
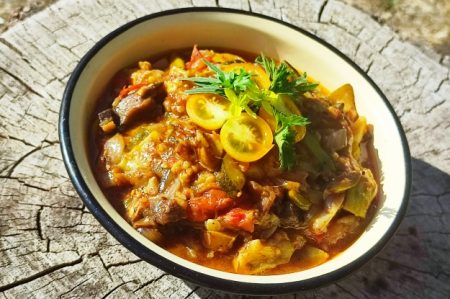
<point>209,111</point>
<point>268,118</point>
<point>259,75</point>
<point>225,58</point>
<point>246,138</point>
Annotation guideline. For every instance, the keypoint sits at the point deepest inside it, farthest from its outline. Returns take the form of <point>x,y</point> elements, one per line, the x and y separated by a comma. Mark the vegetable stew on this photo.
<point>235,162</point>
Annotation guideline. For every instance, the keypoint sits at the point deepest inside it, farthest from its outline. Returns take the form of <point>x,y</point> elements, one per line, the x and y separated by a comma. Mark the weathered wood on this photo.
<point>51,246</point>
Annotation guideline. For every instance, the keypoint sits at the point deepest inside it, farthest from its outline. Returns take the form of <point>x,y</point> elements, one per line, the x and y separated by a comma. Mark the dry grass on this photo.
<point>425,22</point>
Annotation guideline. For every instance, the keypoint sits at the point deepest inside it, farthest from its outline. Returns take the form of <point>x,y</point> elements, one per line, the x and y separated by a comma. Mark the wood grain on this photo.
<point>51,246</point>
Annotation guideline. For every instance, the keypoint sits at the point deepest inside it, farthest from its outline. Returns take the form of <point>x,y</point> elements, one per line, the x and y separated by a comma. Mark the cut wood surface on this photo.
<point>50,244</point>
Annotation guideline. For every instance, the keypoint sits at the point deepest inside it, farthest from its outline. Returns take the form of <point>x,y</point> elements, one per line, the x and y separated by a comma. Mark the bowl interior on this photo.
<point>252,34</point>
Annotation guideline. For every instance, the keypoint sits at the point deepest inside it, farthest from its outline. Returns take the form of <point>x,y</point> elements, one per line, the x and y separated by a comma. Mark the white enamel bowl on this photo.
<point>239,30</point>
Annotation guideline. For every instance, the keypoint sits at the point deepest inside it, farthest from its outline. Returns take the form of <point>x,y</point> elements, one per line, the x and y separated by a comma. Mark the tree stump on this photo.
<point>51,246</point>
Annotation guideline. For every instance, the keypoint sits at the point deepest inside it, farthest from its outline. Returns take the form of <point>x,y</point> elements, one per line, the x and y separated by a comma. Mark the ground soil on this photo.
<point>424,22</point>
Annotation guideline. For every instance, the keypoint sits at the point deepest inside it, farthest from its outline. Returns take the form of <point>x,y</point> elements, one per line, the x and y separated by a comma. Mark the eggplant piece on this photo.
<point>114,149</point>
<point>163,210</point>
<point>106,120</point>
<point>131,106</point>
<point>166,180</point>
<point>342,183</point>
<point>288,214</point>
<point>267,194</point>
<point>335,140</point>
<point>138,104</point>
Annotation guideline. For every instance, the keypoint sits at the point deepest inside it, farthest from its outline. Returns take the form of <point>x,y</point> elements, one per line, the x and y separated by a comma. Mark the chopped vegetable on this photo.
<point>346,96</point>
<point>218,241</point>
<point>230,177</point>
<point>205,206</point>
<point>313,144</point>
<point>320,221</point>
<point>299,200</point>
<point>238,218</point>
<point>257,255</point>
<point>312,256</point>
<point>360,197</point>
<point>359,128</point>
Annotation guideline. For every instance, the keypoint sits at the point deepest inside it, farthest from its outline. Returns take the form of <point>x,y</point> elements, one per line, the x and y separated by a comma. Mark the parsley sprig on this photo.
<point>239,88</point>
<point>222,80</point>
<point>283,78</point>
<point>244,94</point>
<point>285,134</point>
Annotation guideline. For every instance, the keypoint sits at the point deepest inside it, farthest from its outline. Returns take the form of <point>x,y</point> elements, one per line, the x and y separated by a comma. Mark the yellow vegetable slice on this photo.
<point>209,111</point>
<point>360,197</point>
<point>346,96</point>
<point>312,256</point>
<point>246,138</point>
<point>288,107</point>
<point>259,75</point>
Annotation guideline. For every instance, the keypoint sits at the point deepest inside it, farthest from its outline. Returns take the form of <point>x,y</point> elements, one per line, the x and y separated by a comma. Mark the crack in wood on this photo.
<point>118,286</point>
<point>38,223</point>
<point>39,274</point>
<point>438,88</point>
<point>27,86</point>
<point>149,282</point>
<point>191,292</point>
<point>7,136</point>
<point>107,267</point>
<point>346,291</point>
<point>322,8</point>
<point>388,42</point>
<point>10,46</point>
<point>18,161</point>
<point>74,287</point>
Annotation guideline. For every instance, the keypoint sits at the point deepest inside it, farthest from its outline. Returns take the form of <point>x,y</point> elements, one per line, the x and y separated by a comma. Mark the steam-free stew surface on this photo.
<point>237,163</point>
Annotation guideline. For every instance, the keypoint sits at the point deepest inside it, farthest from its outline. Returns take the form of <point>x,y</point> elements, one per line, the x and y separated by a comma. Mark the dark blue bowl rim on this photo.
<point>171,267</point>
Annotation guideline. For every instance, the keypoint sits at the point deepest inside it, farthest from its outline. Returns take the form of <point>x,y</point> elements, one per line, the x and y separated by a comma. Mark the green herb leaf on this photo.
<point>285,136</point>
<point>285,80</point>
<point>244,94</point>
<point>285,140</point>
<point>223,80</point>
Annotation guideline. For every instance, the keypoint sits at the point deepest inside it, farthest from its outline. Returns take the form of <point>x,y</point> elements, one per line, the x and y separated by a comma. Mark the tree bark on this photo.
<point>51,246</point>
